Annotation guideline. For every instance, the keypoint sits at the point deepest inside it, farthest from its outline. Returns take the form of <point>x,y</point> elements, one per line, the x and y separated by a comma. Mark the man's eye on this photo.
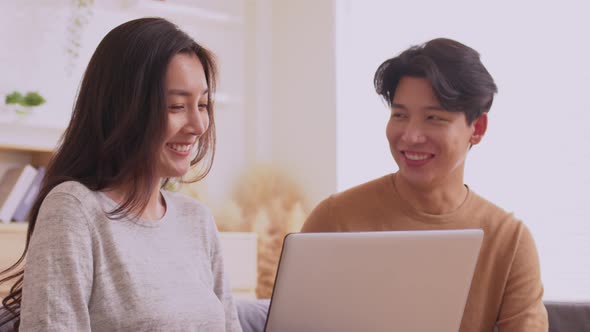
<point>206,106</point>
<point>435,118</point>
<point>397,115</point>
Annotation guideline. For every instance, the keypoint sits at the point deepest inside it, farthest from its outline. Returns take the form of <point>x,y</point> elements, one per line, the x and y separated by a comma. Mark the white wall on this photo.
<point>33,59</point>
<point>535,156</point>
<point>291,91</point>
<point>271,106</point>
<point>304,93</point>
<point>35,34</point>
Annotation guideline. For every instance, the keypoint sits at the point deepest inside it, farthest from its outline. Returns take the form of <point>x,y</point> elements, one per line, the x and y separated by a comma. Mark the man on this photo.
<point>440,94</point>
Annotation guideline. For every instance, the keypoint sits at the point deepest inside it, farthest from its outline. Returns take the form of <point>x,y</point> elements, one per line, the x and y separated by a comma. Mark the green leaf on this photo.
<point>14,98</point>
<point>32,99</point>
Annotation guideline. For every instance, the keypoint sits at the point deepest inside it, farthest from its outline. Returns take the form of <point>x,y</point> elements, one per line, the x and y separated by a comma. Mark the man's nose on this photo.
<point>414,133</point>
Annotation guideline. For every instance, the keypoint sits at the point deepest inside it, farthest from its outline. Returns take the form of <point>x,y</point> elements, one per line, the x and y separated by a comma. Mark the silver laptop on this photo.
<point>373,281</point>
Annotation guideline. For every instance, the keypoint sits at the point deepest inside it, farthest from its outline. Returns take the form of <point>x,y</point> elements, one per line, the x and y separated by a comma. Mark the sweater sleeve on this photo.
<point>59,269</point>
<point>522,305</point>
<point>222,287</point>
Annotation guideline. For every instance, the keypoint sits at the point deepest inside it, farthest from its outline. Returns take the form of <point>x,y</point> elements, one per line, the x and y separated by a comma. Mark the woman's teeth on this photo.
<point>180,147</point>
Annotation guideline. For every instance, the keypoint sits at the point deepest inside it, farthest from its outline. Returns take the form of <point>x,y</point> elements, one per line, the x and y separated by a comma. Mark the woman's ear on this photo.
<point>480,126</point>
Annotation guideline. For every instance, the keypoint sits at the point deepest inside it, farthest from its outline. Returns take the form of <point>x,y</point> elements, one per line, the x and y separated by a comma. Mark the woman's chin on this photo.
<point>176,172</point>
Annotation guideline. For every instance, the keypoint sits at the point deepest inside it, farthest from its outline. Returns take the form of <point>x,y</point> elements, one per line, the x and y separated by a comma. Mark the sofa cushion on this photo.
<point>568,316</point>
<point>252,314</point>
<point>8,327</point>
<point>563,316</point>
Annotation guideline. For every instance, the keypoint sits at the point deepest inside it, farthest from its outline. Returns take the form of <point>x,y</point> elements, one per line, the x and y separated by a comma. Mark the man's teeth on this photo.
<point>180,147</point>
<point>416,156</point>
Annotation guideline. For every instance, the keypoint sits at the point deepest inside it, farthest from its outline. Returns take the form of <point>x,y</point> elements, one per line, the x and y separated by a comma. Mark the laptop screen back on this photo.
<point>373,281</point>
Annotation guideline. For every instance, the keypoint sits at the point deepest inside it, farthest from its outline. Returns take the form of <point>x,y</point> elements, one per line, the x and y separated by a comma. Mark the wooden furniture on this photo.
<point>12,244</point>
<point>21,143</point>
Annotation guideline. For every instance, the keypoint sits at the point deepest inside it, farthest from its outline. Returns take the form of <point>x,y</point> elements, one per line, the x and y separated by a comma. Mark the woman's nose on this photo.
<point>198,121</point>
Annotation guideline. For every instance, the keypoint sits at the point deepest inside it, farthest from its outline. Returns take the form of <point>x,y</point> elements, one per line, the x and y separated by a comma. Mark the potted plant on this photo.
<point>24,104</point>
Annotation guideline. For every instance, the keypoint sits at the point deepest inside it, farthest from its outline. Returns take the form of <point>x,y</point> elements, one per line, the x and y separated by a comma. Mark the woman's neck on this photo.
<point>155,208</point>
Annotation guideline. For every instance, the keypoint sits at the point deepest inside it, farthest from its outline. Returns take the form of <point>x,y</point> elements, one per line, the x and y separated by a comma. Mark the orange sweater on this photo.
<point>506,289</point>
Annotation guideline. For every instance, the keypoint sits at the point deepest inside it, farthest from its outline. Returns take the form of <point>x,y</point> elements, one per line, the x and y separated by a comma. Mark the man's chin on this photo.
<point>414,179</point>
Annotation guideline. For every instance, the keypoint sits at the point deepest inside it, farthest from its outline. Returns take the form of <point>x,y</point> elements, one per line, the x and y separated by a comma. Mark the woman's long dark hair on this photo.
<point>117,123</point>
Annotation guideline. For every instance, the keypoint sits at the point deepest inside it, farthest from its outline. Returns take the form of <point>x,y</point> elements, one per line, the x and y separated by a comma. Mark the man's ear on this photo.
<point>480,126</point>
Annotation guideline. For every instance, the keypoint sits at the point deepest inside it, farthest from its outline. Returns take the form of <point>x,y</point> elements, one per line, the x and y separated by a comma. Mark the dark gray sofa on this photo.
<point>563,316</point>
<point>568,316</point>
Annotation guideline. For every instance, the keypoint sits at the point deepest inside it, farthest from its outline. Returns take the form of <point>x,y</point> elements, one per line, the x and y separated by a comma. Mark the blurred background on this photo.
<point>298,118</point>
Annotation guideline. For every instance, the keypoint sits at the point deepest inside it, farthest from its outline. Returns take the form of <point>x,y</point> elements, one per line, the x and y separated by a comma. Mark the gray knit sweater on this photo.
<point>85,272</point>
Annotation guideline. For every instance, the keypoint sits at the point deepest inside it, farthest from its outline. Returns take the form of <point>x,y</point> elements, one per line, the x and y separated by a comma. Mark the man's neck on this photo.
<point>435,198</point>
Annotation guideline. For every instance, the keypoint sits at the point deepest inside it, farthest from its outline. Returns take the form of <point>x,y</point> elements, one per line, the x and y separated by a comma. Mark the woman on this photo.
<point>107,248</point>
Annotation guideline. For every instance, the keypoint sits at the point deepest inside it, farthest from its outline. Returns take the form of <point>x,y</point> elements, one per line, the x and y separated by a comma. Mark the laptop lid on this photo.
<point>374,281</point>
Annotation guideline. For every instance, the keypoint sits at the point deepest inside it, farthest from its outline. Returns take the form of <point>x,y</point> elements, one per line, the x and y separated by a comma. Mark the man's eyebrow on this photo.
<point>427,108</point>
<point>434,108</point>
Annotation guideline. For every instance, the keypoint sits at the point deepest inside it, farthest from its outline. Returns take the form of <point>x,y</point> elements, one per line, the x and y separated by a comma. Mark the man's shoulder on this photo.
<point>350,208</point>
<point>379,186</point>
<point>494,217</point>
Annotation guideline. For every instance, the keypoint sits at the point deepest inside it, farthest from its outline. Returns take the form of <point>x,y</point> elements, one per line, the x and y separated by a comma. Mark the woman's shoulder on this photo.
<point>73,194</point>
<point>187,204</point>
<point>193,216</point>
<point>71,188</point>
<point>68,207</point>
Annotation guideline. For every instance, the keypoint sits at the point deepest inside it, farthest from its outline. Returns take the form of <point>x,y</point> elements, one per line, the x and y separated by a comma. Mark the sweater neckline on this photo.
<point>110,205</point>
<point>445,218</point>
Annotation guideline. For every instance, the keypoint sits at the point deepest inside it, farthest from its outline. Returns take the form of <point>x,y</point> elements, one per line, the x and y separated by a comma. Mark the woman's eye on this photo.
<point>176,107</point>
<point>205,106</point>
<point>397,115</point>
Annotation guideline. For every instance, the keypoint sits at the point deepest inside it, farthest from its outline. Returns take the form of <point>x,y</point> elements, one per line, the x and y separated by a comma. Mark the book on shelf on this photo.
<point>26,204</point>
<point>14,185</point>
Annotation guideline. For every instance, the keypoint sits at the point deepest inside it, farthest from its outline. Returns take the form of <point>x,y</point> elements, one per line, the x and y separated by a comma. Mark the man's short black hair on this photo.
<point>459,79</point>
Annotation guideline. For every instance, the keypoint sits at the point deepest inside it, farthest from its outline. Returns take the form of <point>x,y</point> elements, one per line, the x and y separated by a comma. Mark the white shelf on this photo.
<point>27,135</point>
<point>13,227</point>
